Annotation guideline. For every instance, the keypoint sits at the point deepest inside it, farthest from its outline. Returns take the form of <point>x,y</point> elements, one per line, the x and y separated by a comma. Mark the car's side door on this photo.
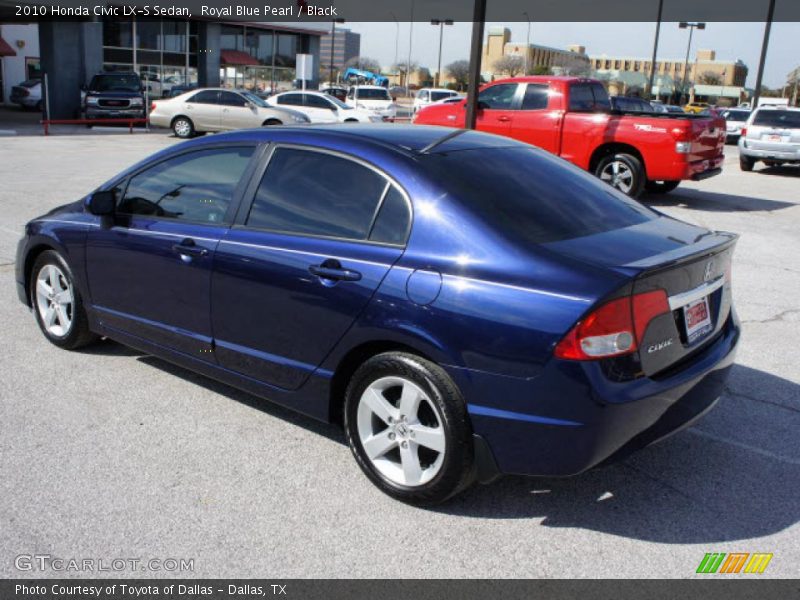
<point>237,112</point>
<point>533,123</point>
<point>149,270</point>
<point>293,100</point>
<point>306,254</point>
<point>320,110</point>
<point>496,107</point>
<point>204,110</point>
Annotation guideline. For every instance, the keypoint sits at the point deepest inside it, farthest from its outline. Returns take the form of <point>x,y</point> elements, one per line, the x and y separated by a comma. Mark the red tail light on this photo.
<point>744,131</point>
<point>152,107</point>
<point>615,328</point>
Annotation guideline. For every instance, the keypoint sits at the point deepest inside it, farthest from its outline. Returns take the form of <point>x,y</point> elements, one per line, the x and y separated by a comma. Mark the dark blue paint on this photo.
<point>251,314</point>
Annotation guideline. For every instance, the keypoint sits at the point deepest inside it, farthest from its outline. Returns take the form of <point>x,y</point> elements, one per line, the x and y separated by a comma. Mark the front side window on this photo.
<point>340,200</point>
<point>498,97</point>
<point>313,101</point>
<point>536,97</point>
<point>197,186</point>
<point>232,99</point>
<point>291,99</point>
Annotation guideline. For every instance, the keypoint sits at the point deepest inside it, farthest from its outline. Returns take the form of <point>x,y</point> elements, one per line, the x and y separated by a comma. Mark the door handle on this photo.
<point>188,247</point>
<point>503,119</point>
<point>332,270</point>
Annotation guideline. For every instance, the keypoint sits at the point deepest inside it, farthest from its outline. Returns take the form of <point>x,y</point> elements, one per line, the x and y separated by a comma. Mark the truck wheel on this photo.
<point>622,171</point>
<point>746,163</point>
<point>661,187</point>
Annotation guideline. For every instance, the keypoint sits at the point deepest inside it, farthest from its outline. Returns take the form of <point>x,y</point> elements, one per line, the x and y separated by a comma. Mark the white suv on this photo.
<point>427,96</point>
<point>374,99</point>
<point>771,134</point>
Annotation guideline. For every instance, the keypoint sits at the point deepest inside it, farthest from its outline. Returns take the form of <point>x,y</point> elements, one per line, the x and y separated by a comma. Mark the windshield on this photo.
<point>778,118</point>
<point>736,115</point>
<point>532,196</point>
<point>115,83</point>
<point>435,96</point>
<point>373,94</point>
<point>254,99</point>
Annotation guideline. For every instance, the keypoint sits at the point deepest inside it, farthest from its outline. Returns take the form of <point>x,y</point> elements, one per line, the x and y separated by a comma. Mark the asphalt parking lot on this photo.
<point>106,453</point>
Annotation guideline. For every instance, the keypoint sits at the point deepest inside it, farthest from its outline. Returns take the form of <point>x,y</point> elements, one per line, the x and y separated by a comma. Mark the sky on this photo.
<point>730,40</point>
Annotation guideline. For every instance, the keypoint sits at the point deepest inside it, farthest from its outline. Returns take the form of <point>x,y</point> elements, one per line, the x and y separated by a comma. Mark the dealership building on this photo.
<point>166,52</point>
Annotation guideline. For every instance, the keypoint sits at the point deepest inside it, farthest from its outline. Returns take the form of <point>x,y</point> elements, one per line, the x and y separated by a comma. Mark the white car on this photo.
<point>322,108</point>
<point>428,96</point>
<point>374,99</point>
<point>216,109</point>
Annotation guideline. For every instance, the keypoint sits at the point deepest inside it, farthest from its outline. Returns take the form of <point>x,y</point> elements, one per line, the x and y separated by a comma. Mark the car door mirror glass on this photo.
<point>102,202</point>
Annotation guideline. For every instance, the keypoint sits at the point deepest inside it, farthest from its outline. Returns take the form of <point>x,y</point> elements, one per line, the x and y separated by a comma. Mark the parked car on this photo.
<point>373,98</point>
<point>427,96</point>
<point>696,107</point>
<point>771,134</point>
<point>114,95</point>
<point>630,104</point>
<point>463,305</point>
<point>322,108</point>
<point>572,117</point>
<point>337,91</point>
<point>216,109</point>
<point>660,107</point>
<point>28,94</point>
<point>735,119</point>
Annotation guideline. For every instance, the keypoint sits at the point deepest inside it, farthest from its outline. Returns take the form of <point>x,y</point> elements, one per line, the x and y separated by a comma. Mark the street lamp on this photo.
<point>527,44</point>
<point>333,42</point>
<point>396,42</point>
<point>691,27</point>
<point>441,23</point>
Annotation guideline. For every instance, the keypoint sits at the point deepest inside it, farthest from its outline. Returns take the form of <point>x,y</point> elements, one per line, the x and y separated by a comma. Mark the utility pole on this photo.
<point>527,45</point>
<point>764,44</point>
<point>478,22</point>
<point>441,23</point>
<point>655,50</point>
<point>410,40</point>
<point>691,27</point>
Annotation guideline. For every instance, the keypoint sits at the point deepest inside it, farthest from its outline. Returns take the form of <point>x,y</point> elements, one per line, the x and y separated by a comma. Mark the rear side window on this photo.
<point>788,119</point>
<point>498,97</point>
<point>588,97</point>
<point>532,196</point>
<point>340,200</point>
<point>535,97</point>
<point>196,186</point>
<point>393,220</point>
<point>205,97</point>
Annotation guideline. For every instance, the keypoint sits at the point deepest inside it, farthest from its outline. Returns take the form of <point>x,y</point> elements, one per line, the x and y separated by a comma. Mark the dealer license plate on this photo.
<point>697,318</point>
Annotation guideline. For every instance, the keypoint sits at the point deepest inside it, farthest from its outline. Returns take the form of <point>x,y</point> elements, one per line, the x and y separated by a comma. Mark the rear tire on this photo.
<point>414,421</point>
<point>57,303</point>
<point>746,163</point>
<point>183,127</point>
<point>661,187</point>
<point>623,172</point>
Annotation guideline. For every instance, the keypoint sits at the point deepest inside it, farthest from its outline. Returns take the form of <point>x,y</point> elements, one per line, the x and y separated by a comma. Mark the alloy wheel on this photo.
<point>401,431</point>
<point>55,300</point>
<point>619,175</point>
<point>182,128</point>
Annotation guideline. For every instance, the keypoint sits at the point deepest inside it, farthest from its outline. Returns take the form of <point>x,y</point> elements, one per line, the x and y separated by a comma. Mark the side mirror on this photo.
<point>102,203</point>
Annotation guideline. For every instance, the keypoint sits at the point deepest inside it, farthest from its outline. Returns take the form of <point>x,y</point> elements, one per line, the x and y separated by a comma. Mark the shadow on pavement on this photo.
<point>713,201</point>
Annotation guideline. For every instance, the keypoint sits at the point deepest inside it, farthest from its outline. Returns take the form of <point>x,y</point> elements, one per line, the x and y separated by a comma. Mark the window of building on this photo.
<point>197,186</point>
<point>339,201</point>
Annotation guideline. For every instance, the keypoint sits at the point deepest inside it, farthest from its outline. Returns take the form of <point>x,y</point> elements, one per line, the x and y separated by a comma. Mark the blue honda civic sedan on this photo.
<point>463,304</point>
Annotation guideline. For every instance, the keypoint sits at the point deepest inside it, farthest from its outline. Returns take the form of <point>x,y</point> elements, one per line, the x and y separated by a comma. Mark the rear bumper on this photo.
<point>572,417</point>
<point>682,169</point>
<point>787,155</point>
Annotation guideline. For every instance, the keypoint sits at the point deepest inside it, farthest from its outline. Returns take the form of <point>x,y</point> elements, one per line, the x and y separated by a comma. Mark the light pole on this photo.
<point>691,27</point>
<point>333,43</point>
<point>396,42</point>
<point>527,44</point>
<point>655,51</point>
<point>441,23</point>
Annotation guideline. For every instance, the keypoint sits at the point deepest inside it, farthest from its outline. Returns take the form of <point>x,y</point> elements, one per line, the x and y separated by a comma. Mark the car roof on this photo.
<point>370,87</point>
<point>439,90</point>
<point>404,139</point>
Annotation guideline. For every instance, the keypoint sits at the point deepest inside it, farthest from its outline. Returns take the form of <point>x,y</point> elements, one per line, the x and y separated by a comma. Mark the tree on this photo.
<point>403,70</point>
<point>541,70</point>
<point>510,64</point>
<point>572,65</point>
<point>459,71</point>
<point>363,63</point>
<point>710,78</point>
<point>425,77</point>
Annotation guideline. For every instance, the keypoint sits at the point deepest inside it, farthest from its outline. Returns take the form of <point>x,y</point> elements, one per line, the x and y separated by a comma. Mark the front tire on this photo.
<point>408,428</point>
<point>746,163</point>
<point>57,304</point>
<point>661,187</point>
<point>623,172</point>
<point>183,127</point>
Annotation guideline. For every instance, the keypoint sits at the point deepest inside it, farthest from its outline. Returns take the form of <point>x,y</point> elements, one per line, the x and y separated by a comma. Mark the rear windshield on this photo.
<point>373,94</point>
<point>778,118</point>
<point>736,115</point>
<point>115,83</point>
<point>436,96</point>
<point>532,196</point>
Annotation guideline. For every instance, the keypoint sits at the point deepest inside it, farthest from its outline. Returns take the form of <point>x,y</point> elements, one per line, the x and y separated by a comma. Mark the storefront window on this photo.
<point>173,36</point>
<point>232,37</point>
<point>287,51</point>
<point>117,34</point>
<point>148,34</point>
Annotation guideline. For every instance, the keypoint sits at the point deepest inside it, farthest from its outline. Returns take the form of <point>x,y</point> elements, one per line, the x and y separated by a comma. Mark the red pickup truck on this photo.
<point>572,118</point>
